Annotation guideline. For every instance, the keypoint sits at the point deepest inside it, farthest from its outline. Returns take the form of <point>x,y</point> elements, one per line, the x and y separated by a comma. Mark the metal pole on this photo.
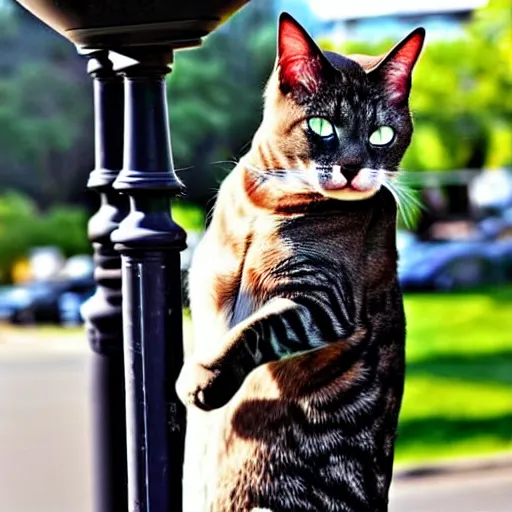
<point>103,311</point>
<point>150,242</point>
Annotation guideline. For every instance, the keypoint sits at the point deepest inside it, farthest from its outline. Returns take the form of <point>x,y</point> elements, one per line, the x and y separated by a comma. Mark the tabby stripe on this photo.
<point>267,341</point>
<point>280,493</point>
<point>354,408</point>
<point>279,338</point>
<point>322,316</point>
<point>297,326</point>
<point>335,301</point>
<point>333,310</point>
<point>303,326</point>
<point>339,495</point>
<point>293,339</point>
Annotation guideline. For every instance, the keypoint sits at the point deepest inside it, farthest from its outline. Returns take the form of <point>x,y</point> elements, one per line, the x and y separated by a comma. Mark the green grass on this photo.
<point>458,395</point>
<point>189,216</point>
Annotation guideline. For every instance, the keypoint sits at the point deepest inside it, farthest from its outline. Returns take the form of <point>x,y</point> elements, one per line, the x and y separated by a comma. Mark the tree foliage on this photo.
<point>215,98</point>
<point>461,102</point>
<point>461,97</point>
<point>45,112</point>
<point>23,226</point>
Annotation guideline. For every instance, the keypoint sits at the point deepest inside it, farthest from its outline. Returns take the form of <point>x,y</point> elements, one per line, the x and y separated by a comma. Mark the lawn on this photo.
<point>458,396</point>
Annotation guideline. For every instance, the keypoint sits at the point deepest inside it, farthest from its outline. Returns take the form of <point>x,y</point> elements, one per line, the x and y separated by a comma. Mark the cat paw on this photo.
<point>202,387</point>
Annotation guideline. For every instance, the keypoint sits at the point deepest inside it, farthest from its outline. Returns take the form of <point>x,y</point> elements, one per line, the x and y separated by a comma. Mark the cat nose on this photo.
<point>350,168</point>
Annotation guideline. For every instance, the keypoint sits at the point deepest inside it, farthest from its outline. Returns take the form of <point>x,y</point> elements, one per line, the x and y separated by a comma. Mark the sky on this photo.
<point>343,9</point>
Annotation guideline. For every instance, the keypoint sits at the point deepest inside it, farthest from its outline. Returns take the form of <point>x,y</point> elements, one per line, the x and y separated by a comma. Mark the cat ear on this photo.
<point>395,69</point>
<point>301,63</point>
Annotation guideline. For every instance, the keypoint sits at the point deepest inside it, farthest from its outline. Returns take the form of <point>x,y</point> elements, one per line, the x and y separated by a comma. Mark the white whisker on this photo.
<point>181,169</point>
<point>289,180</point>
<point>406,198</point>
<point>224,162</point>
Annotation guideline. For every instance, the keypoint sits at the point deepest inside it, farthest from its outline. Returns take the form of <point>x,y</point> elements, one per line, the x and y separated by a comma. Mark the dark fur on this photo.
<point>360,110</point>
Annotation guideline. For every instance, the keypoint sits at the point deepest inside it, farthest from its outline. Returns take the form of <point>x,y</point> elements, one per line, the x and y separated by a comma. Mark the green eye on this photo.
<point>321,126</point>
<point>382,136</point>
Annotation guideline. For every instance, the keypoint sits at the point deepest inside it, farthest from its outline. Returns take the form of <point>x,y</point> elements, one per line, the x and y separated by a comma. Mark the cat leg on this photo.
<point>209,380</point>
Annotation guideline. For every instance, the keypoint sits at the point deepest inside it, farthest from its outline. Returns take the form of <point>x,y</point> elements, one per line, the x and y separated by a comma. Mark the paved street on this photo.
<point>45,439</point>
<point>489,491</point>
<point>44,452</point>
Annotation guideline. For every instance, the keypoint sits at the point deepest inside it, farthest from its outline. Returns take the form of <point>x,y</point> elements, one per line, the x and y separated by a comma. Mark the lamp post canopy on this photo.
<point>120,23</point>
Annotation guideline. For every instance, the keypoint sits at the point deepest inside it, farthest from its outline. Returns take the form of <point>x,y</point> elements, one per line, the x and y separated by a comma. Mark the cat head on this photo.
<point>340,122</point>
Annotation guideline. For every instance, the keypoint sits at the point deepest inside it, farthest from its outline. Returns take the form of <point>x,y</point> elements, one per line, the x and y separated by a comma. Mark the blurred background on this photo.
<point>455,252</point>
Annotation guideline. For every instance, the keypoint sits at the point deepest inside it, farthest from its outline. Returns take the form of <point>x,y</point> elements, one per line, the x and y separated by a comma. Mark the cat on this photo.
<point>294,383</point>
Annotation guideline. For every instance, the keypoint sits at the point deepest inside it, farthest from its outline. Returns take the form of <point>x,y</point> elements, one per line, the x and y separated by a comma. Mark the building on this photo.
<point>369,21</point>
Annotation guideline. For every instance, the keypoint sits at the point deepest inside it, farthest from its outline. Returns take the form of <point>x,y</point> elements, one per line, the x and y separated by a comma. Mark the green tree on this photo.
<point>41,114</point>
<point>215,98</point>
<point>23,226</point>
<point>46,129</point>
<point>461,97</point>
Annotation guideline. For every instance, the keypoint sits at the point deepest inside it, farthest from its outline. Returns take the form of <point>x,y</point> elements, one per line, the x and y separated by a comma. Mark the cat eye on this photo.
<point>321,126</point>
<point>382,136</point>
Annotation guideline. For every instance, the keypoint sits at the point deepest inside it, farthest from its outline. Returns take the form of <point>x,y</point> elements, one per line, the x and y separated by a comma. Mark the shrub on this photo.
<point>23,227</point>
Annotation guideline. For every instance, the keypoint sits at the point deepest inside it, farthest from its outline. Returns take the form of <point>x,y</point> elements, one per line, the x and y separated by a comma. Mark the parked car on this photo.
<point>70,306</point>
<point>42,301</point>
<point>452,265</point>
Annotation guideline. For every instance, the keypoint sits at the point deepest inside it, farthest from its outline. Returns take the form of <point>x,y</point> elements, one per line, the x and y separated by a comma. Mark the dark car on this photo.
<point>452,265</point>
<point>41,301</point>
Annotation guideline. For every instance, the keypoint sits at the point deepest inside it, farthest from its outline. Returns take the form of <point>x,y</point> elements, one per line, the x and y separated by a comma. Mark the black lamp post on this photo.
<point>150,242</point>
<point>103,310</point>
<point>139,422</point>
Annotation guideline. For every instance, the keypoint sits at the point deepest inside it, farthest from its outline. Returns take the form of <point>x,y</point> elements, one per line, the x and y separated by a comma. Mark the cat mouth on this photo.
<point>345,185</point>
<point>330,186</point>
<point>349,193</point>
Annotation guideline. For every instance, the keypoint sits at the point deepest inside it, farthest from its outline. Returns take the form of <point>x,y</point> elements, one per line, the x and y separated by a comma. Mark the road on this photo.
<point>489,491</point>
<point>44,434</point>
<point>45,442</point>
